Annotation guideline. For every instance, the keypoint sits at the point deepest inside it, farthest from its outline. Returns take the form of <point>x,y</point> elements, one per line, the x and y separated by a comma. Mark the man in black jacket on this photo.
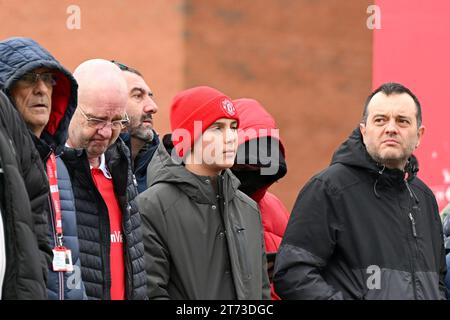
<point>24,266</point>
<point>367,227</point>
<point>109,223</point>
<point>139,135</point>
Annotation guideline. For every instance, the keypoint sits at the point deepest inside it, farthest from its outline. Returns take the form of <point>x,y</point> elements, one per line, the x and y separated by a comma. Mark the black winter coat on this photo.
<point>362,231</point>
<point>93,223</point>
<point>23,193</point>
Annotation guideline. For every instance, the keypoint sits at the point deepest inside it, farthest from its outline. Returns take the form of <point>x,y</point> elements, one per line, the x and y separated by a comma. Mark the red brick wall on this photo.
<point>308,62</point>
<point>141,33</point>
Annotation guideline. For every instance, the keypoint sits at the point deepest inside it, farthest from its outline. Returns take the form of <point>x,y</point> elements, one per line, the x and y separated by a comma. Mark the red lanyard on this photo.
<point>54,192</point>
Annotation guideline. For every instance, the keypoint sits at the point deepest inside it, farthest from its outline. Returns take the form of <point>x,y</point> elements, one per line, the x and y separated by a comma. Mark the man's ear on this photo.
<point>362,128</point>
<point>420,133</point>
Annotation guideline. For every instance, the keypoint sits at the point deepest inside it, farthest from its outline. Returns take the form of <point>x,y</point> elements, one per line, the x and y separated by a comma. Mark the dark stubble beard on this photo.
<point>144,134</point>
<point>393,162</point>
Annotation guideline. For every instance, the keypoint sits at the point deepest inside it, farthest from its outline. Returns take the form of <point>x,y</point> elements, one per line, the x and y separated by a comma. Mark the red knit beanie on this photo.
<point>203,105</point>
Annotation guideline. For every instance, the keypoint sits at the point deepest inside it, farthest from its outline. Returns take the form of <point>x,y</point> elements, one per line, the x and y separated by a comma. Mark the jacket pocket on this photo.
<point>241,239</point>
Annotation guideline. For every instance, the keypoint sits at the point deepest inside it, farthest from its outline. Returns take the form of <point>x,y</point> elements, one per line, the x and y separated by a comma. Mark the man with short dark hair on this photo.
<point>367,227</point>
<point>139,136</point>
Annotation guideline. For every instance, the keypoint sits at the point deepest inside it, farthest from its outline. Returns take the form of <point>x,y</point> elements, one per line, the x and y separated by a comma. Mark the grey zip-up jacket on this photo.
<point>196,248</point>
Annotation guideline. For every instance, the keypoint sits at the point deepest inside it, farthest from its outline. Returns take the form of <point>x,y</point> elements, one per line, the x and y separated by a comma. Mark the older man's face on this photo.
<point>391,133</point>
<point>32,95</point>
<point>97,124</point>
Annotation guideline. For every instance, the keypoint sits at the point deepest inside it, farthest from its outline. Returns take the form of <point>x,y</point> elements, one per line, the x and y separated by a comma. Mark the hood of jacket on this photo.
<point>142,159</point>
<point>353,153</point>
<point>21,55</point>
<point>257,128</point>
<point>165,168</point>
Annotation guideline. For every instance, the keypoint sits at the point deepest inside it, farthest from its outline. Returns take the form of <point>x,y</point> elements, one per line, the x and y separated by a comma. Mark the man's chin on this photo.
<point>96,151</point>
<point>392,160</point>
<point>146,135</point>
<point>224,164</point>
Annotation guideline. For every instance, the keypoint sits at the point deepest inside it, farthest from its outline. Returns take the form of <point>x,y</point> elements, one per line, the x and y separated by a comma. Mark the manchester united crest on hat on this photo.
<point>228,106</point>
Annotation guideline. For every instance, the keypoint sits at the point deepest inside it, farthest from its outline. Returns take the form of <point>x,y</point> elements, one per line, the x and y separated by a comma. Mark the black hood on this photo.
<point>253,182</point>
<point>353,153</point>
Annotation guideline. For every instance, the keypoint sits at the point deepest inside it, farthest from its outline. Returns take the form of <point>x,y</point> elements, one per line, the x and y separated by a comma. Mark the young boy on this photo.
<point>203,237</point>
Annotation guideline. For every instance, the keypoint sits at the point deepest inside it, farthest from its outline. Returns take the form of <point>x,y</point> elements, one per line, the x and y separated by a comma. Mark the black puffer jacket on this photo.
<point>361,231</point>
<point>23,179</point>
<point>93,223</point>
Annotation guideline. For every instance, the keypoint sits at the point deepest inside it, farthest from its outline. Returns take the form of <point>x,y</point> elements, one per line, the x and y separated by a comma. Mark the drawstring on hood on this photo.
<point>376,182</point>
<point>411,192</point>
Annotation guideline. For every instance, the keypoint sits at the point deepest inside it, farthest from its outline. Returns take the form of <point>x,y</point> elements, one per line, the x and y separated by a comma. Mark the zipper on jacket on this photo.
<point>60,274</point>
<point>129,265</point>
<point>246,266</point>
<point>413,225</point>
<point>105,231</point>
<point>414,233</point>
<point>221,202</point>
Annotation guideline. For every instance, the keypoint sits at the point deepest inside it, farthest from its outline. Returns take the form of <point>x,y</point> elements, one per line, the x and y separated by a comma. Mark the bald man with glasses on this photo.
<point>111,247</point>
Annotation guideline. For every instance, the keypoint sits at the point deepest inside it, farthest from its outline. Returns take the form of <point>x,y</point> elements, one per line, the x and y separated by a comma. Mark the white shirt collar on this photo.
<point>103,167</point>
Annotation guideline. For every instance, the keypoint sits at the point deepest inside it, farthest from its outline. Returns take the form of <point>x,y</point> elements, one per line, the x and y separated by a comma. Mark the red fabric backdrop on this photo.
<point>413,47</point>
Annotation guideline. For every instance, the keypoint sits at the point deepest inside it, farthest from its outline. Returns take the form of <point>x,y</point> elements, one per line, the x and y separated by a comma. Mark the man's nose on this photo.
<point>150,106</point>
<point>391,126</point>
<point>230,136</point>
<point>40,87</point>
<point>105,132</point>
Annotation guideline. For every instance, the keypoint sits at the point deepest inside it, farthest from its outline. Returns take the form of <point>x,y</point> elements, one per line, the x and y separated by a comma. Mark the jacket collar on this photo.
<point>353,152</point>
<point>144,155</point>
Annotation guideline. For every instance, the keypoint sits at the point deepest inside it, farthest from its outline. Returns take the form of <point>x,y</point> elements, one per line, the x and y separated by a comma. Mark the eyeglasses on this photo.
<point>31,79</point>
<point>124,67</point>
<point>99,124</point>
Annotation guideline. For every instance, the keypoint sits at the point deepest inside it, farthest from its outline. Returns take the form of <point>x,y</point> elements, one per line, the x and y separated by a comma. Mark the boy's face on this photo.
<point>216,149</point>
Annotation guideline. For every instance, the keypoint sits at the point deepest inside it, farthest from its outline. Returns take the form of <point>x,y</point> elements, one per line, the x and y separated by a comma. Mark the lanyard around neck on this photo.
<point>54,192</point>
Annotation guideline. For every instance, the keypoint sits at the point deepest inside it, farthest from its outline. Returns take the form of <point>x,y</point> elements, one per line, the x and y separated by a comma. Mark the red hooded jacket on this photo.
<point>255,122</point>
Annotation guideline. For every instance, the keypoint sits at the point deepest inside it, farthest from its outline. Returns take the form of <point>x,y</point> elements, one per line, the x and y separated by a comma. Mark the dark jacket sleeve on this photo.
<point>157,257</point>
<point>442,275</point>
<point>442,257</point>
<point>266,295</point>
<point>34,177</point>
<point>308,243</point>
